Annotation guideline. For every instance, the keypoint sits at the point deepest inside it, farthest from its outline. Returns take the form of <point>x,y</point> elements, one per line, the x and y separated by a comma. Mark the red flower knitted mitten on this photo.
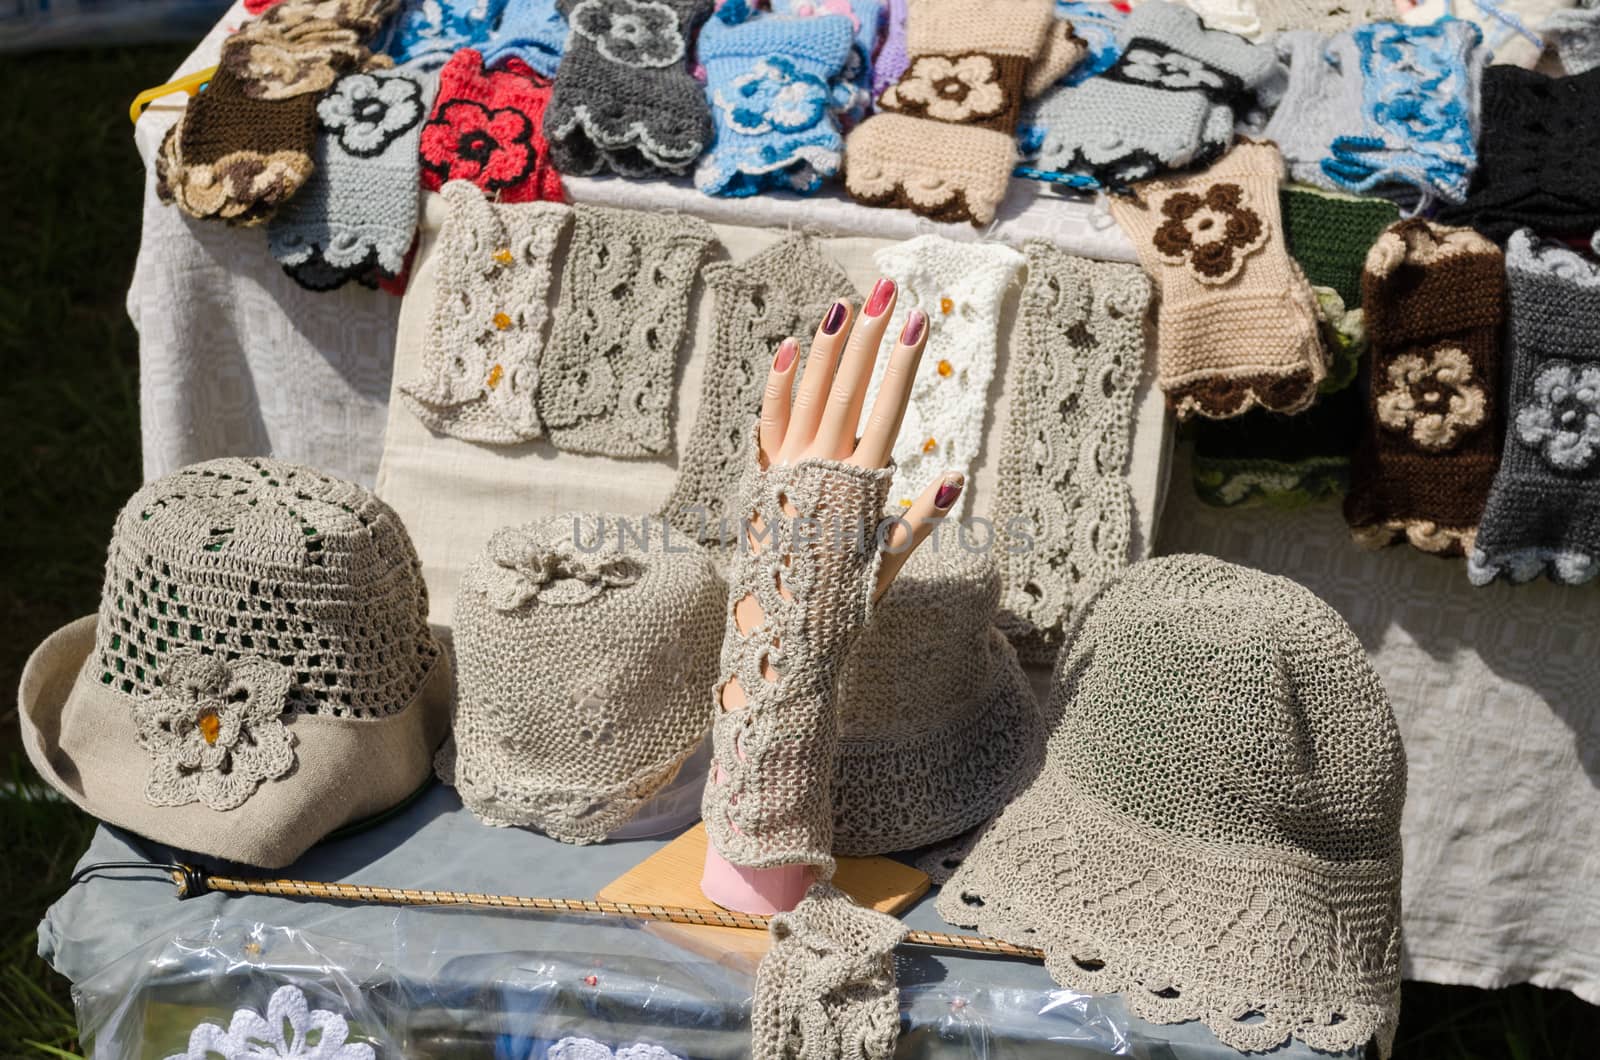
<point>487,127</point>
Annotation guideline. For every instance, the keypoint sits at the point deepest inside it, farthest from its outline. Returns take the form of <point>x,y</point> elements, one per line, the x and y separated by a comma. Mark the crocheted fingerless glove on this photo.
<point>891,61</point>
<point>1543,513</point>
<point>357,214</point>
<point>942,144</point>
<point>532,31</point>
<point>1536,170</point>
<point>1434,298</point>
<point>1063,509</point>
<point>812,566</point>
<point>961,287</point>
<point>1168,102</point>
<point>427,33</point>
<point>244,146</point>
<point>851,92</point>
<point>1238,322</point>
<point>767,80</point>
<point>757,304</point>
<point>624,100</point>
<point>486,128</point>
<point>607,372</point>
<point>479,370</point>
<point>826,988</point>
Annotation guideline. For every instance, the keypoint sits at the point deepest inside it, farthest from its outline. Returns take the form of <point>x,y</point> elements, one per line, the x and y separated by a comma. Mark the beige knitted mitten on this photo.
<point>809,556</point>
<point>943,143</point>
<point>1238,322</point>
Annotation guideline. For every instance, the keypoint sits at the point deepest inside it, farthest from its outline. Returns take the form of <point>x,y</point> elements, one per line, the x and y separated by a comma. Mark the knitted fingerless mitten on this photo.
<point>812,568</point>
<point>826,986</point>
<point>624,99</point>
<point>1238,322</point>
<point>356,216</point>
<point>244,146</point>
<point>485,128</point>
<point>425,34</point>
<point>767,80</point>
<point>480,352</point>
<point>1434,298</point>
<point>532,31</point>
<point>606,376</point>
<point>942,144</point>
<point>1540,140</point>
<point>1063,509</point>
<point>961,287</point>
<point>851,92</point>
<point>1543,513</point>
<point>757,304</point>
<point>891,61</point>
<point>1574,35</point>
<point>1168,102</point>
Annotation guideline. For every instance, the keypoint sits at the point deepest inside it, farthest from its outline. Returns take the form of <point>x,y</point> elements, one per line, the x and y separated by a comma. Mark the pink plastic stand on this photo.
<point>761,891</point>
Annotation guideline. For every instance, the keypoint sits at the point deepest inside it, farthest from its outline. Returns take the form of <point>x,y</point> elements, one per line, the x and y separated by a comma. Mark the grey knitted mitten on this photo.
<point>1543,513</point>
<point>606,375</point>
<point>826,988</point>
<point>1321,103</point>
<point>1168,103</point>
<point>623,97</point>
<point>813,571</point>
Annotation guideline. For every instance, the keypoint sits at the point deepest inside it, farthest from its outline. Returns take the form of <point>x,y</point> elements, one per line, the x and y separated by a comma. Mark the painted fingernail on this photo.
<point>882,291</point>
<point>911,334</point>
<point>835,319</point>
<point>949,490</point>
<point>785,355</point>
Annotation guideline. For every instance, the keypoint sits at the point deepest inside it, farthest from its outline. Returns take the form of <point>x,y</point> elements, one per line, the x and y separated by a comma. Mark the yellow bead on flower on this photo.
<point>502,321</point>
<point>210,725</point>
<point>503,256</point>
<point>945,368</point>
<point>495,374</point>
<point>905,502</point>
<point>945,305</point>
<point>930,445</point>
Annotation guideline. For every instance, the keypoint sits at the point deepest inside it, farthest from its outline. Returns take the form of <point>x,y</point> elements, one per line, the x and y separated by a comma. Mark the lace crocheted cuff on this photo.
<point>486,128</point>
<point>767,80</point>
<point>780,292</point>
<point>479,372</point>
<point>624,99</point>
<point>809,556</point>
<point>607,373</point>
<point>826,987</point>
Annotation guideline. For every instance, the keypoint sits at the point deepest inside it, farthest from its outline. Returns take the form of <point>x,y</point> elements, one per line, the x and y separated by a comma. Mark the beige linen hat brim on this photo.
<point>80,736</point>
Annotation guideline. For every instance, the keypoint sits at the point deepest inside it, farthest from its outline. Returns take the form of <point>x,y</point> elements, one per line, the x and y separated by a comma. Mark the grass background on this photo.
<point>70,425</point>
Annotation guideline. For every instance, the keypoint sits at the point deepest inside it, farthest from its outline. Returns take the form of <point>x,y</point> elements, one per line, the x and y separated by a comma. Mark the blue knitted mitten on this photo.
<point>852,87</point>
<point>424,35</point>
<point>530,30</point>
<point>767,80</point>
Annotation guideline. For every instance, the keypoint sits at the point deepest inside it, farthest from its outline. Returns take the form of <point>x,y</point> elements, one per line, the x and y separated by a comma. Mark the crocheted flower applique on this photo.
<point>631,32</point>
<point>1170,70</point>
<point>1562,421</point>
<point>1211,233</point>
<point>526,569</point>
<point>1435,399</point>
<point>774,96</point>
<point>467,141</point>
<point>214,729</point>
<point>589,1049</point>
<point>290,1030</point>
<point>949,88</point>
<point>370,113</point>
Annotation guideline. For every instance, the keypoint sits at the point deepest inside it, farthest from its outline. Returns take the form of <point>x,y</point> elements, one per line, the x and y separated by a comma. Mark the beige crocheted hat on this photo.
<point>587,649</point>
<point>1215,832</point>
<point>938,726</point>
<point>261,671</point>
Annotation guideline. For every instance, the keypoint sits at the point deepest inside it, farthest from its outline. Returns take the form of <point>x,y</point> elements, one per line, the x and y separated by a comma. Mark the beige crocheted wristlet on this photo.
<point>943,144</point>
<point>1238,321</point>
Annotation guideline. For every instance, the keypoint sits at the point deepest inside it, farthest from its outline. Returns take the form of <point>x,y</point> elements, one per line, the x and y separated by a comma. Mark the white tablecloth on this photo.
<point>1495,689</point>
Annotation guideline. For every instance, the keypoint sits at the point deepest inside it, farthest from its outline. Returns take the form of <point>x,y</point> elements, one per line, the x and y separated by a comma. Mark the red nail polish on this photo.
<point>948,492</point>
<point>882,291</point>
<point>912,332</point>
<point>835,319</point>
<point>785,355</point>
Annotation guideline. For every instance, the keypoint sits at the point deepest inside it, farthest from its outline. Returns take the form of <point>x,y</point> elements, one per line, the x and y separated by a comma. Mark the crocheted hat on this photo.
<point>261,671</point>
<point>938,726</point>
<point>1215,832</point>
<point>587,648</point>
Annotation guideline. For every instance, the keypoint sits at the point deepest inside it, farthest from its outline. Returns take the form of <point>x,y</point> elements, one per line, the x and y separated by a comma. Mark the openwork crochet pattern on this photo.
<point>607,373</point>
<point>586,651</point>
<point>1215,832</point>
<point>479,376</point>
<point>780,292</point>
<point>1063,507</point>
<point>289,1029</point>
<point>1543,514</point>
<point>961,287</point>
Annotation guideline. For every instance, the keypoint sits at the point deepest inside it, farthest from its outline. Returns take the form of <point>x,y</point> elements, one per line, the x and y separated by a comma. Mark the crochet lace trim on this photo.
<point>1569,566</point>
<point>284,1032</point>
<point>1423,534</point>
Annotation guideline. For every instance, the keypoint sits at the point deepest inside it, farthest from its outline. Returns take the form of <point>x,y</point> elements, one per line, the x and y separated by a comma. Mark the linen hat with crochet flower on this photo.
<point>1215,831</point>
<point>261,671</point>
<point>587,648</point>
